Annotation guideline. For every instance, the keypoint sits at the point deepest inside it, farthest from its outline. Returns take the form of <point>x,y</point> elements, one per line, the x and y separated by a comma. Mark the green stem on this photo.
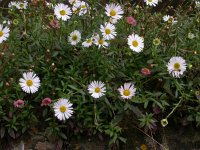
<point>174,109</point>
<point>176,106</point>
<point>95,115</point>
<point>4,8</point>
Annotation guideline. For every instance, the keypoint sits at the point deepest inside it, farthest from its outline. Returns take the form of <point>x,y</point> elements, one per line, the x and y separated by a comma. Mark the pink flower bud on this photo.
<point>18,103</point>
<point>145,71</point>
<point>156,110</point>
<point>55,24</point>
<point>131,20</point>
<point>46,102</point>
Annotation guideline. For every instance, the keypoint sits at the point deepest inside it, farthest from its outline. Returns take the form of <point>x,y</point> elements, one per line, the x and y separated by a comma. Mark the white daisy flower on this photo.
<point>100,42</point>
<point>63,109</point>
<point>166,18</point>
<point>127,91</point>
<point>12,4</point>
<point>84,7</point>
<point>4,33</point>
<point>197,4</point>
<point>62,12</point>
<point>75,37</point>
<point>151,2</point>
<point>22,5</point>
<point>30,82</point>
<point>88,42</point>
<point>74,2</point>
<point>114,10</point>
<point>97,89</point>
<point>169,19</point>
<point>136,42</point>
<point>176,66</point>
<point>76,7</point>
<point>108,31</point>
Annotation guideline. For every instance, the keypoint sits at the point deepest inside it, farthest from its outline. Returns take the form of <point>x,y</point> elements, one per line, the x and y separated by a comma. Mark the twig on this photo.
<point>150,137</point>
<point>153,141</point>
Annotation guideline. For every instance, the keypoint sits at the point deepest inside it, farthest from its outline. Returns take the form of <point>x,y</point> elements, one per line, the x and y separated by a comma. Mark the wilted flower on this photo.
<point>46,101</point>
<point>145,71</point>
<point>191,35</point>
<point>156,110</point>
<point>164,122</point>
<point>55,24</point>
<point>130,9</point>
<point>131,20</point>
<point>156,41</point>
<point>112,20</point>
<point>51,17</point>
<point>197,93</point>
<point>18,103</point>
<point>15,21</point>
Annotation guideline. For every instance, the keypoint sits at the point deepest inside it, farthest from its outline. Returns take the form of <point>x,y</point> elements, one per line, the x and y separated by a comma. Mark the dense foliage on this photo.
<point>39,42</point>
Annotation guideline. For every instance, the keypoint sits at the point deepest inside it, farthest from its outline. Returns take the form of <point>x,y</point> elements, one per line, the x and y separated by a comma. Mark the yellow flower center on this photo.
<point>177,66</point>
<point>107,31</point>
<point>101,41</point>
<point>21,5</point>
<point>149,0</point>
<point>63,12</point>
<point>89,41</point>
<point>1,33</point>
<point>126,92</point>
<point>74,2</point>
<point>63,109</point>
<point>170,20</point>
<point>113,12</point>
<point>29,83</point>
<point>143,147</point>
<point>97,90</point>
<point>135,43</point>
<point>74,37</point>
<point>83,6</point>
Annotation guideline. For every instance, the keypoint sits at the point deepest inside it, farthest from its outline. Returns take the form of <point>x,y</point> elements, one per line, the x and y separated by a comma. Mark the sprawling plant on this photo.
<point>83,67</point>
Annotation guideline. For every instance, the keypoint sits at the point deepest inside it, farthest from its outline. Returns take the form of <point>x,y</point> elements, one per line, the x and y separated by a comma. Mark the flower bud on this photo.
<point>156,41</point>
<point>164,122</point>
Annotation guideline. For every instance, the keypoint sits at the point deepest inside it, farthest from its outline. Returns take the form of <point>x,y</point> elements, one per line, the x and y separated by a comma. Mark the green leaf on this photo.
<point>122,139</point>
<point>63,136</point>
<point>2,132</point>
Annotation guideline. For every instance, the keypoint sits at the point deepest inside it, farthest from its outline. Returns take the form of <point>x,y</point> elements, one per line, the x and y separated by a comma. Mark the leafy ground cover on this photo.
<point>75,68</point>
